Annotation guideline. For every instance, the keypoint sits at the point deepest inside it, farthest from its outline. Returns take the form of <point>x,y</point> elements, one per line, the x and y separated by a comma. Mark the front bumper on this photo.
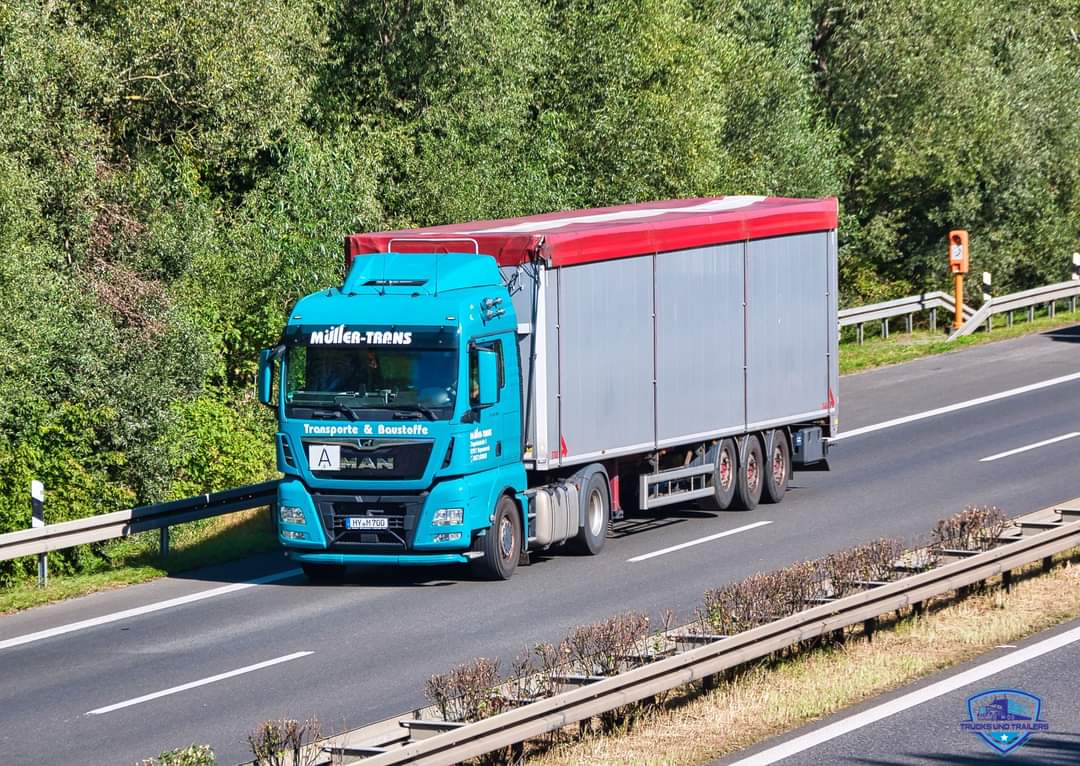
<point>413,560</point>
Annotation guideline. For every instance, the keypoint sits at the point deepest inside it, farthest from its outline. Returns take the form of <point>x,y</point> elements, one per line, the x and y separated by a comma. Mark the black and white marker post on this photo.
<point>1076,278</point>
<point>37,519</point>
<point>986,298</point>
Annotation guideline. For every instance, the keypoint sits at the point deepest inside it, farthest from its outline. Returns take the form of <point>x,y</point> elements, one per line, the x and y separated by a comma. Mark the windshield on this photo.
<point>361,381</point>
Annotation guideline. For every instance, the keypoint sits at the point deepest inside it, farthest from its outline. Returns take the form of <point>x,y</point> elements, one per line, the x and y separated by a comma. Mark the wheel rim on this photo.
<point>779,466</point>
<point>506,538</point>
<point>596,512</point>
<point>753,475</point>
<point>726,474</point>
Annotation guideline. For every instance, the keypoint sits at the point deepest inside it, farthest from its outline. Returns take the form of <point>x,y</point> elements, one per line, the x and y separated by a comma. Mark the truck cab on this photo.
<point>398,405</point>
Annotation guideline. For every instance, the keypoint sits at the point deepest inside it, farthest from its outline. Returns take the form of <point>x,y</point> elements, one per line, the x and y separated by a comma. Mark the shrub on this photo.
<point>976,528</point>
<point>192,755</point>
<point>872,562</point>
<point>609,646</point>
<point>274,740</point>
<point>467,693</point>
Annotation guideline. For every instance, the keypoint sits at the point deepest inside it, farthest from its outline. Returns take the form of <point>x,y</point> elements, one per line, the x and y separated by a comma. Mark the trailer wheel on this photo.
<point>502,543</point>
<point>748,487</point>
<point>323,572</point>
<point>724,477</point>
<point>777,467</point>
<point>597,506</point>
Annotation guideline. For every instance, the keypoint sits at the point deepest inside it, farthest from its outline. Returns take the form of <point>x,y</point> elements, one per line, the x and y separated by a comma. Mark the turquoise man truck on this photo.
<point>479,391</point>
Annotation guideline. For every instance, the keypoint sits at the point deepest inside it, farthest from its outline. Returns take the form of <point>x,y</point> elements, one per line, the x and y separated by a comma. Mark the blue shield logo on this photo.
<point>1004,718</point>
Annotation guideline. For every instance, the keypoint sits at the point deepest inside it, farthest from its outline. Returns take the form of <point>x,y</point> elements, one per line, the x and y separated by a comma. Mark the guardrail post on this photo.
<point>37,519</point>
<point>1007,580</point>
<point>884,328</point>
<point>1051,308</point>
<point>933,320</point>
<point>910,323</point>
<point>163,545</point>
<point>859,332</point>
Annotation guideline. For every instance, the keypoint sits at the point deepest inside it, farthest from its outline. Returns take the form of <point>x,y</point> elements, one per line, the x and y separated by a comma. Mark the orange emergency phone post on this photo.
<point>958,265</point>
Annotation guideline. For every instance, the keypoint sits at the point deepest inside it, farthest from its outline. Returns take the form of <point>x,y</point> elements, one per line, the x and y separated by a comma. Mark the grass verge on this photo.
<point>137,559</point>
<point>900,347</point>
<point>773,697</point>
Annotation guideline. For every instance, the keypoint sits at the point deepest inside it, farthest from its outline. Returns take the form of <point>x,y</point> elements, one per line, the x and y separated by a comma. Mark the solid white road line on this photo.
<point>886,709</point>
<point>1036,445</point>
<point>957,406</point>
<point>147,609</point>
<point>699,541</point>
<point>201,682</point>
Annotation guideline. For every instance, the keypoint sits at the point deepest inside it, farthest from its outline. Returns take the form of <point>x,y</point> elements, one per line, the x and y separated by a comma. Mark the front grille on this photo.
<point>388,459</point>
<point>400,511</point>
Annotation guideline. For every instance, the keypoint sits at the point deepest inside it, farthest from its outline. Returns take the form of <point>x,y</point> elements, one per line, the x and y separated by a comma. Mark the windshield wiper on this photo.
<point>414,408</point>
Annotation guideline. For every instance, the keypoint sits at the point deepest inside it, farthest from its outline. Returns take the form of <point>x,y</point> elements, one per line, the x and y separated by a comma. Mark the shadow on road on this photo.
<point>1064,334</point>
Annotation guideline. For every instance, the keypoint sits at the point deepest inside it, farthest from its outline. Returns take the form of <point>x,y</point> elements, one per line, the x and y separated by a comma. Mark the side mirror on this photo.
<point>265,381</point>
<point>488,367</point>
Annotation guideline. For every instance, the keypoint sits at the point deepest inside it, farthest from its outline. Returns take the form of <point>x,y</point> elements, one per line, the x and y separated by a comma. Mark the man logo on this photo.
<point>373,464</point>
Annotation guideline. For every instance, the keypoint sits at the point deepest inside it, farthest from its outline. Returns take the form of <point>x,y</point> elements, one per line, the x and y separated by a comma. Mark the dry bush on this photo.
<point>192,755</point>
<point>285,742</point>
<point>872,562</point>
<point>467,693</point>
<point>609,646</point>
<point>739,606</point>
<point>976,528</point>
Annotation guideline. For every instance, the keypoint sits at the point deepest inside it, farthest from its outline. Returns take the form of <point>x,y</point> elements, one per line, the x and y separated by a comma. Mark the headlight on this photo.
<point>448,517</point>
<point>290,515</point>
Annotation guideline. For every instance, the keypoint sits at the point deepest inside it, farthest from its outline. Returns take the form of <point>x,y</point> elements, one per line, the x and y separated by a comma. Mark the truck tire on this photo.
<point>501,545</point>
<point>323,572</point>
<point>748,486</point>
<point>596,506</point>
<point>724,476</point>
<point>777,468</point>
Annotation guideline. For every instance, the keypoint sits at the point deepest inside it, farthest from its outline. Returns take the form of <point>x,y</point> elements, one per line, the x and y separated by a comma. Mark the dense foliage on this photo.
<point>174,174</point>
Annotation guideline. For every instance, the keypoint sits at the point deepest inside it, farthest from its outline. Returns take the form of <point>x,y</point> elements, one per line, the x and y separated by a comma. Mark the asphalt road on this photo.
<point>920,725</point>
<point>360,651</point>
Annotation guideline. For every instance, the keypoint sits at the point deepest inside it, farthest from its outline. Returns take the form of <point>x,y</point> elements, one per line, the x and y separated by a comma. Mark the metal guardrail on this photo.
<point>393,742</point>
<point>905,307</point>
<point>973,318</point>
<point>54,537</point>
<point>1029,299</point>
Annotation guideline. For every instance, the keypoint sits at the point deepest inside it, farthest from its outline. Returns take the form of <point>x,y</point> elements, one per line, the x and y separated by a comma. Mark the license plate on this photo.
<point>366,522</point>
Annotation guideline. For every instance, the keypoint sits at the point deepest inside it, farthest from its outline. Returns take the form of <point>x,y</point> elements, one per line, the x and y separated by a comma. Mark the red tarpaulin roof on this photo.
<point>581,236</point>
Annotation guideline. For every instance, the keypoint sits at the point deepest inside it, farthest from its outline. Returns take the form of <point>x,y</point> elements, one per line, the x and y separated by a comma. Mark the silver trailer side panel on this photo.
<point>788,335</point>
<point>605,359</point>
<point>647,352</point>
<point>833,323</point>
<point>699,351</point>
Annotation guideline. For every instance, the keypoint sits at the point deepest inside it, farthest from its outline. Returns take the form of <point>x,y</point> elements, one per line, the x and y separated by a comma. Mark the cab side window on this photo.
<point>474,369</point>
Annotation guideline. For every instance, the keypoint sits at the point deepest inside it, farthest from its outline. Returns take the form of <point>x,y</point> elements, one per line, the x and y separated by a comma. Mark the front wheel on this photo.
<point>501,545</point>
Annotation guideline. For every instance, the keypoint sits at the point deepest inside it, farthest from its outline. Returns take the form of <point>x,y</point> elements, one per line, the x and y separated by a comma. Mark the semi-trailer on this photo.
<point>479,391</point>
